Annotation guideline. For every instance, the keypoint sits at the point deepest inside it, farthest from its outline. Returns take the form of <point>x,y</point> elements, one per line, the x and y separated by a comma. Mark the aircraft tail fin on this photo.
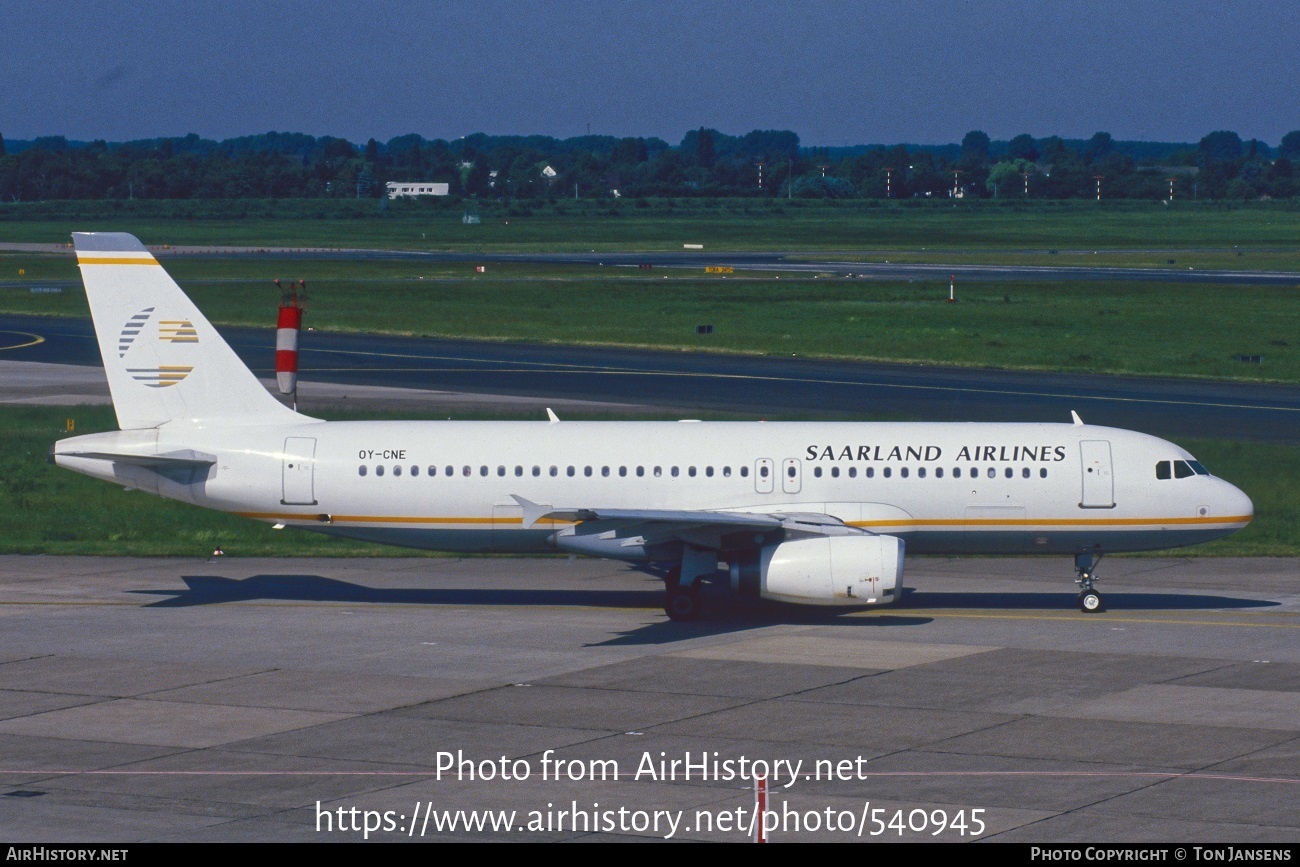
<point>164,360</point>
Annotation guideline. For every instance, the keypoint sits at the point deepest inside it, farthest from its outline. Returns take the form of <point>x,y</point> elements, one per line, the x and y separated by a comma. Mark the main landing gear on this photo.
<point>1085,571</point>
<point>682,600</point>
<point>681,603</point>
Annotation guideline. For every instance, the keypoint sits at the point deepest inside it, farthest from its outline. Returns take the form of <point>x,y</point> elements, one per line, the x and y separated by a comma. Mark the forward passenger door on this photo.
<point>1098,477</point>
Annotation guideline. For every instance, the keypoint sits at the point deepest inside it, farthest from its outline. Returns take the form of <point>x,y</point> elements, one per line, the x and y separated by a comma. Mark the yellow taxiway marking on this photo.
<point>35,339</point>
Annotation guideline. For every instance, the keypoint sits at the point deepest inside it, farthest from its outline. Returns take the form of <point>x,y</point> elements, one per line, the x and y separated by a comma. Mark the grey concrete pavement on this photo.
<point>170,699</point>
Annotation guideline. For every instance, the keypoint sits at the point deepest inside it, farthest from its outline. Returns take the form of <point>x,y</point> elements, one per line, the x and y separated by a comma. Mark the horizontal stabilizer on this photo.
<point>170,459</point>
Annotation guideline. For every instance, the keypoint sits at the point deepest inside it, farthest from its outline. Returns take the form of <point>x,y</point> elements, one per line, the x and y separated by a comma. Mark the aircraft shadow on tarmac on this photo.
<point>214,590</point>
<point>724,612</point>
<point>1116,601</point>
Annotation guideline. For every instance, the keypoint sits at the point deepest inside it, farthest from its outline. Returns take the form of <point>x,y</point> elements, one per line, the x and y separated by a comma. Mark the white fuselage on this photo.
<point>943,487</point>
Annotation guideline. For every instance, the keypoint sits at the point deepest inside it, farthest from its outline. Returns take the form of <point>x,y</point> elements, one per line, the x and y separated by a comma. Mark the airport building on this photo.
<point>416,188</point>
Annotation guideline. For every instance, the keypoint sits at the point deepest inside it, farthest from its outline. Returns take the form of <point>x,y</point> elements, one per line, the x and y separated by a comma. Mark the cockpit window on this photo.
<point>1180,469</point>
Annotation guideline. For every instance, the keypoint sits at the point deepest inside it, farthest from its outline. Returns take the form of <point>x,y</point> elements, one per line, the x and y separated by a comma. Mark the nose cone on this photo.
<point>1235,506</point>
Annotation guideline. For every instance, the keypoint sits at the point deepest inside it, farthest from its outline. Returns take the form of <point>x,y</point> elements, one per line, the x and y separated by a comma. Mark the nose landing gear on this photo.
<point>1085,572</point>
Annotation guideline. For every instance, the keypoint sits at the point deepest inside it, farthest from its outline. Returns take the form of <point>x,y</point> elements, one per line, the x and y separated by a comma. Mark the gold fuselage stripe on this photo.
<point>901,524</point>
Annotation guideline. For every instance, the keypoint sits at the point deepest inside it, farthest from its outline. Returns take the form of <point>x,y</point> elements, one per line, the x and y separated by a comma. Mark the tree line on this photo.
<point>762,163</point>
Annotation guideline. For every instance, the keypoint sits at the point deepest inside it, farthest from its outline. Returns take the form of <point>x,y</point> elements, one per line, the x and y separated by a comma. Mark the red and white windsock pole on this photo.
<point>293,298</point>
<point>759,834</point>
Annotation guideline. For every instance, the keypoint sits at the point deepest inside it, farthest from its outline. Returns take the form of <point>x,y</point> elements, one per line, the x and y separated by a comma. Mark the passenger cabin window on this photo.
<point>726,472</point>
<point>835,472</point>
<point>483,470</point>
<point>433,471</point>
<point>920,473</point>
<point>501,471</point>
<point>537,471</point>
<point>604,472</point>
<point>379,470</point>
<point>555,471</point>
<point>853,472</point>
<point>397,470</point>
<point>361,470</point>
<point>817,471</point>
<point>569,471</point>
<point>1008,472</point>
<point>744,472</point>
<point>674,472</point>
<point>871,472</point>
<point>519,471</point>
<point>640,471</point>
<point>938,472</point>
<point>622,471</point>
<point>888,472</point>
<point>956,472</point>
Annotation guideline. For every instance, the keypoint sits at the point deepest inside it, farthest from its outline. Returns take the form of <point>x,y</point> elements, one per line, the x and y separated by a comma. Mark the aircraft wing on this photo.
<point>661,525</point>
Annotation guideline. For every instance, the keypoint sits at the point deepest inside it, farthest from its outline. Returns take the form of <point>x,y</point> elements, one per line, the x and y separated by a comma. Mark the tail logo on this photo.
<point>169,331</point>
<point>131,330</point>
<point>177,331</point>
<point>160,377</point>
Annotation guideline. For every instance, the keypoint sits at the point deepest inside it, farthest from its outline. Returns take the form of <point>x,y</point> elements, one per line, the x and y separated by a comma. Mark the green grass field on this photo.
<point>1124,328</point>
<point>1267,234</point>
<point>53,511</point>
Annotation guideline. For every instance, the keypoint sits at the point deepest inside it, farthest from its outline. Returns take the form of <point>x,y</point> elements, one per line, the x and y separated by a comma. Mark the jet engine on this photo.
<point>824,570</point>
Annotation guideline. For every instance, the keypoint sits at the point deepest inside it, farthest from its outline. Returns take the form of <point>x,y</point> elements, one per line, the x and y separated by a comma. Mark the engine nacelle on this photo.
<point>825,570</point>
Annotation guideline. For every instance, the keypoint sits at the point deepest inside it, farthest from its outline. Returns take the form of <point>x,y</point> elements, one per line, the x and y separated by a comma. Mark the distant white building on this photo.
<point>417,188</point>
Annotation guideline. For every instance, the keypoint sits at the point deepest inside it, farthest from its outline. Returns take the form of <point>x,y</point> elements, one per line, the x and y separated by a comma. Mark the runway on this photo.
<point>719,383</point>
<point>840,263</point>
<point>167,699</point>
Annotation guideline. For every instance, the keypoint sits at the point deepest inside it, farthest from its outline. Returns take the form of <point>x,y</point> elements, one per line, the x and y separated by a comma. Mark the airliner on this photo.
<point>804,512</point>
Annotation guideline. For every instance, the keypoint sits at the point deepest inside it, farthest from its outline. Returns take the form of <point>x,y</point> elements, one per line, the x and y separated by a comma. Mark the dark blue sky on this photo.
<point>835,72</point>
